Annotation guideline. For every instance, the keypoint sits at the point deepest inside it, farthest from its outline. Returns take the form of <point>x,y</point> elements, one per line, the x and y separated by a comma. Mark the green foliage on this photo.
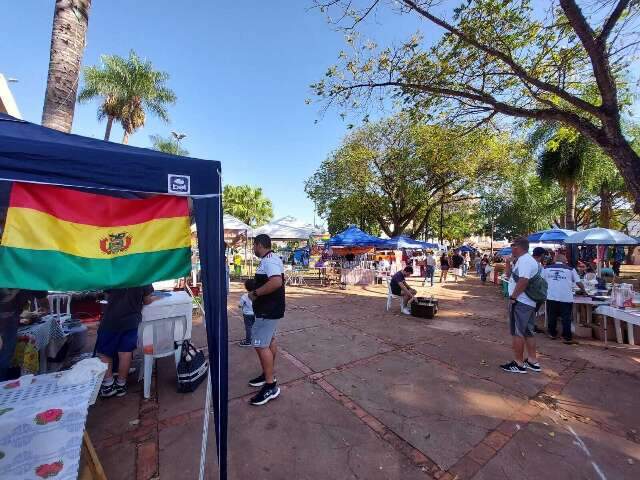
<point>562,61</point>
<point>167,145</point>
<point>460,222</point>
<point>247,204</point>
<point>527,205</point>
<point>395,172</point>
<point>129,88</point>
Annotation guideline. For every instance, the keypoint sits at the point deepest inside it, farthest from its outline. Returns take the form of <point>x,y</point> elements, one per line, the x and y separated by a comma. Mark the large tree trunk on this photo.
<point>570,209</point>
<point>107,132</point>
<point>627,161</point>
<point>70,21</point>
<point>606,206</point>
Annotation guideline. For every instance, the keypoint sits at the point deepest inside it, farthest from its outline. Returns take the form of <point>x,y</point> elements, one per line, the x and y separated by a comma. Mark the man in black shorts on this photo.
<point>118,335</point>
<point>399,287</point>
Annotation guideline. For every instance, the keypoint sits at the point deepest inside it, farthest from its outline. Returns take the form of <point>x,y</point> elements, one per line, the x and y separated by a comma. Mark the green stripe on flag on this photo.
<point>51,270</point>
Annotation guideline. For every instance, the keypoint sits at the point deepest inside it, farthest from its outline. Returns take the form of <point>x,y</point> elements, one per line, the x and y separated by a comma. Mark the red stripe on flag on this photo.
<point>92,209</point>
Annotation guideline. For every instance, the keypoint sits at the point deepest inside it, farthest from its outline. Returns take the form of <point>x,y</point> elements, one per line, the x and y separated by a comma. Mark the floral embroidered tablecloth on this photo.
<point>41,426</point>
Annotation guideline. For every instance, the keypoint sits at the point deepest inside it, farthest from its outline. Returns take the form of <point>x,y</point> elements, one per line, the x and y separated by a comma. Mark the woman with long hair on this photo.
<point>444,267</point>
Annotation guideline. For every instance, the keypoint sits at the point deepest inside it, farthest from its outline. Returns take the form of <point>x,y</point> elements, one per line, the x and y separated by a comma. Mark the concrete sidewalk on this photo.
<point>370,395</point>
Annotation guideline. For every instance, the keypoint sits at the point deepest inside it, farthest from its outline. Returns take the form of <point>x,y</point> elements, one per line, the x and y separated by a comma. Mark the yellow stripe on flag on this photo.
<point>32,229</point>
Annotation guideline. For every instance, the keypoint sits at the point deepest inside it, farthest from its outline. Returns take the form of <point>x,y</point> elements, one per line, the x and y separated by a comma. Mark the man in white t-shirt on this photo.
<point>430,268</point>
<point>268,299</point>
<point>522,309</point>
<point>561,278</point>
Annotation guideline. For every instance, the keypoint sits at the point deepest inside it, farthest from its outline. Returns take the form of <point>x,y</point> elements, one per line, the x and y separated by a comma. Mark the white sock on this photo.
<point>121,381</point>
<point>107,382</point>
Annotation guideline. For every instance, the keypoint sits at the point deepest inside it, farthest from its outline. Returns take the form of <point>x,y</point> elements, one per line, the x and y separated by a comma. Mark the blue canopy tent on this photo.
<point>465,249</point>
<point>553,235</point>
<point>504,252</point>
<point>34,154</point>
<point>353,237</point>
<point>401,241</point>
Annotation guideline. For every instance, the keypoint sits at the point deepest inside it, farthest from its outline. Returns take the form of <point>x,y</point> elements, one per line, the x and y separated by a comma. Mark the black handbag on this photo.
<point>192,368</point>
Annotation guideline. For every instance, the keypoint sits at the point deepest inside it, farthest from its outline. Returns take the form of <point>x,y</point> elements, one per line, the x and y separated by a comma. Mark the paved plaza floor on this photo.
<point>370,394</point>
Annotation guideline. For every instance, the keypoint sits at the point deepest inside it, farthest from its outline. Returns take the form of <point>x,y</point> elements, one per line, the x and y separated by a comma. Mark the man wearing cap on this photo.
<point>561,278</point>
<point>522,309</point>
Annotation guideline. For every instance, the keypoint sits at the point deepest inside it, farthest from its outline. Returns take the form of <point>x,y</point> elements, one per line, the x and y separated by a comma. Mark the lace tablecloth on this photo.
<point>357,276</point>
<point>41,426</point>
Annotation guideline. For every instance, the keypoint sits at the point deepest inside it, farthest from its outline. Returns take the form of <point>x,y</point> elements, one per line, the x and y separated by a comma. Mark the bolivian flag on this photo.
<point>63,239</point>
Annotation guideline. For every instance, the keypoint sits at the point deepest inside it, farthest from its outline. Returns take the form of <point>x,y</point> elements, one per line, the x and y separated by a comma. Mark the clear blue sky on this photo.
<point>241,71</point>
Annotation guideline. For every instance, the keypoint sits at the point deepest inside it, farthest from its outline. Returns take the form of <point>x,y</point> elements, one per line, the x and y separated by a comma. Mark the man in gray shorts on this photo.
<point>522,309</point>
<point>268,306</point>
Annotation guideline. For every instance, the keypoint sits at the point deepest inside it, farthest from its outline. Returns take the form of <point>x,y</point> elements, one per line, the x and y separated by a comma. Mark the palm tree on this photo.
<point>167,145</point>
<point>106,82</point>
<point>565,164</point>
<point>70,22</point>
<point>247,204</point>
<point>129,88</point>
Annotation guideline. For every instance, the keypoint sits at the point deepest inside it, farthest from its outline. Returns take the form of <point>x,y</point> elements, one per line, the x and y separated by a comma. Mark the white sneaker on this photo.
<point>406,311</point>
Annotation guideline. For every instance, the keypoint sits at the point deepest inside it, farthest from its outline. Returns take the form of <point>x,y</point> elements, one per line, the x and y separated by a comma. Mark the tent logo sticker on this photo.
<point>179,184</point>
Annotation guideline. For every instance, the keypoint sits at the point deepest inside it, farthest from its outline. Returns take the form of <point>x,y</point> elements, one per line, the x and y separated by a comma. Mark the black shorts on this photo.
<point>395,289</point>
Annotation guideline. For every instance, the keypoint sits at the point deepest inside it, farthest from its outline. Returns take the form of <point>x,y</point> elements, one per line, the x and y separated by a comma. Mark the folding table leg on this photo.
<point>630,333</point>
<point>616,322</point>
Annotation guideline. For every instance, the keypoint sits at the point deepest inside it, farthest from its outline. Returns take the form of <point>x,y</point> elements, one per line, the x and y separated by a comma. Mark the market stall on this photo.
<point>31,155</point>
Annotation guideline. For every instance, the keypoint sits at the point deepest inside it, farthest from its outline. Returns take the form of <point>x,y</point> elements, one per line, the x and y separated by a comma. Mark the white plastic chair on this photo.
<point>391,296</point>
<point>59,302</point>
<point>160,338</point>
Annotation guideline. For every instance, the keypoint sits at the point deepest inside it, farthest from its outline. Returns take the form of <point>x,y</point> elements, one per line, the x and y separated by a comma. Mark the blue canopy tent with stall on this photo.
<point>34,154</point>
<point>465,249</point>
<point>401,241</point>
<point>353,237</point>
<point>553,235</point>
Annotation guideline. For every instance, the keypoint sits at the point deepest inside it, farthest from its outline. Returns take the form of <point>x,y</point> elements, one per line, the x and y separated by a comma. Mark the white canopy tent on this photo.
<point>282,232</point>
<point>296,223</point>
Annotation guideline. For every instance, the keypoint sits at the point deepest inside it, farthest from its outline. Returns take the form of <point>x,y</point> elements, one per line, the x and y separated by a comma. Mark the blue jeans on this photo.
<point>430,271</point>
<point>249,320</point>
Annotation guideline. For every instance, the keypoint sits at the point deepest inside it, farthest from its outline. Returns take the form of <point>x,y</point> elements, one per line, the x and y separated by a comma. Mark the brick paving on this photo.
<point>370,394</point>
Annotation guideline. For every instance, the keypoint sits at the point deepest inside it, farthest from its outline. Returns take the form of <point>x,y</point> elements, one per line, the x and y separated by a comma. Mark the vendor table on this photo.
<point>46,332</point>
<point>589,303</point>
<point>357,276</point>
<point>42,421</point>
<point>171,304</point>
<point>631,317</point>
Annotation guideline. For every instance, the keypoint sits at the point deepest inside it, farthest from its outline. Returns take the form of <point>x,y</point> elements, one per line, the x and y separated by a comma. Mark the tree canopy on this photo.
<point>248,204</point>
<point>129,88</point>
<point>499,58</point>
<point>394,173</point>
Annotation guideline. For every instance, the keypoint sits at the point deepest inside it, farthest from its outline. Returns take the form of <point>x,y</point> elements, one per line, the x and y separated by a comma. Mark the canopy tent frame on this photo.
<point>31,153</point>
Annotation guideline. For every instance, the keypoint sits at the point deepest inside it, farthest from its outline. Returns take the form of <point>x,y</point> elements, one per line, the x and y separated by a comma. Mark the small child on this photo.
<point>247,312</point>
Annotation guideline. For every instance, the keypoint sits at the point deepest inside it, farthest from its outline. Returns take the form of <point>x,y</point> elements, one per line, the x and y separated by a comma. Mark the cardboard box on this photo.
<point>598,330</point>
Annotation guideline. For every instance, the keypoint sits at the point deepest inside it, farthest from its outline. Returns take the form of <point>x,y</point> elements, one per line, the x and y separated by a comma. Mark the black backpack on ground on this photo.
<point>192,368</point>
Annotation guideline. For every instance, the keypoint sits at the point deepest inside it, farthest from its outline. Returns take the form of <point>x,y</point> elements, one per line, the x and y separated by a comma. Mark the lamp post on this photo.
<point>178,136</point>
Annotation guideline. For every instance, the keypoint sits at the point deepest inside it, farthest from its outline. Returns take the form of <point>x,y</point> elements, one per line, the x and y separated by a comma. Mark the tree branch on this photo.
<point>612,20</point>
<point>518,70</point>
<point>597,53</point>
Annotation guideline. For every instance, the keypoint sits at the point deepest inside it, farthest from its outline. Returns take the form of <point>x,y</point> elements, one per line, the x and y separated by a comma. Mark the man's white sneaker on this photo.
<point>406,311</point>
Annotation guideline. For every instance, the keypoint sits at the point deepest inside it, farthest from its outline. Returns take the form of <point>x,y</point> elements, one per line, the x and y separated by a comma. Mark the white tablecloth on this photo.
<point>41,427</point>
<point>357,276</point>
